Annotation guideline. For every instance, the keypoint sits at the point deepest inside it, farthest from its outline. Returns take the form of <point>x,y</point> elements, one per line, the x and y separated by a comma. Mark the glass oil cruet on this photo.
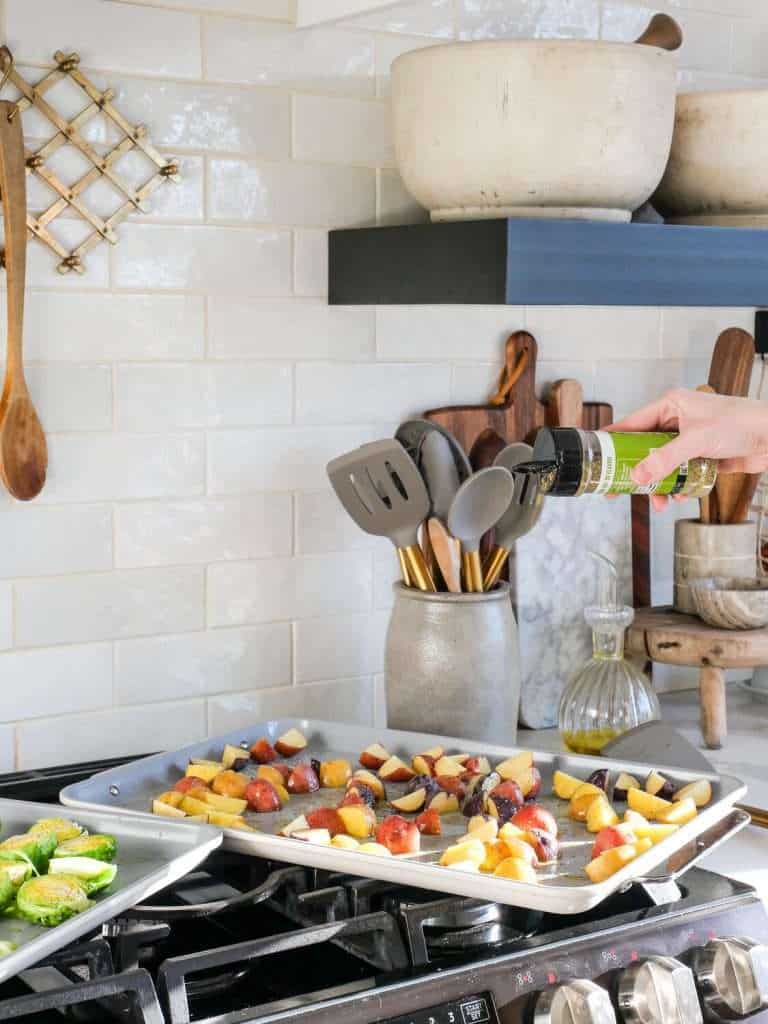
<point>609,695</point>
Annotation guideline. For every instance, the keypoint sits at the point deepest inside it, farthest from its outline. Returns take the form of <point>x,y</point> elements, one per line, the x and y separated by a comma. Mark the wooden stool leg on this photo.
<point>714,721</point>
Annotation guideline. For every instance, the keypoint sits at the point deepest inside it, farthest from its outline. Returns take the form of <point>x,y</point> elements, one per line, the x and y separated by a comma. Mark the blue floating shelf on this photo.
<point>548,262</point>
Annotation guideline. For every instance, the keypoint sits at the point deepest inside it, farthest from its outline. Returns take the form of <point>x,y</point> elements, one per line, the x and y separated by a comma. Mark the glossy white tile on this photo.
<point>322,525</point>
<point>445,333</point>
<point>272,590</point>
<point>350,699</point>
<point>386,572</point>
<point>595,332</point>
<point>119,467</point>
<point>423,18</point>
<point>112,733</point>
<point>193,396</point>
<point>750,38</point>
<point>7,748</point>
<point>289,329</point>
<point>121,37</point>
<point>39,684</point>
<point>6,618</point>
<point>110,605</point>
<point>247,261</point>
<point>291,193</point>
<point>396,204</point>
<point>42,264</point>
<point>340,646</point>
<point>278,10</point>
<point>197,532</point>
<point>225,118</point>
<point>335,393</point>
<point>388,49</point>
<point>310,262</point>
<point>82,327</point>
<point>188,665</point>
<point>72,397</point>
<point>342,130</point>
<point>692,332</point>
<point>706,37</point>
<point>629,385</point>
<point>54,540</point>
<point>559,19</point>
<point>282,459</point>
<point>475,382</point>
<point>326,59</point>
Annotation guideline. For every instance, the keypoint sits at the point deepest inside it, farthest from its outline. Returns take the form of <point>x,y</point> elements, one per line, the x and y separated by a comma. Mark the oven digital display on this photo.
<point>470,1010</point>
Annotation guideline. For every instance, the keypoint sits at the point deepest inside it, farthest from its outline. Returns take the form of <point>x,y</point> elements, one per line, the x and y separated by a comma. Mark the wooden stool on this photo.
<point>667,636</point>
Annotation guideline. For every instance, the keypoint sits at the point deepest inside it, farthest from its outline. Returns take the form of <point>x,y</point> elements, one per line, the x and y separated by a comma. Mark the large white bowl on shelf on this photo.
<point>717,167</point>
<point>533,128</point>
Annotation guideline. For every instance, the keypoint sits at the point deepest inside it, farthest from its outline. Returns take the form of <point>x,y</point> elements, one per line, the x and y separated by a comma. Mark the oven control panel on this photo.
<point>477,1009</point>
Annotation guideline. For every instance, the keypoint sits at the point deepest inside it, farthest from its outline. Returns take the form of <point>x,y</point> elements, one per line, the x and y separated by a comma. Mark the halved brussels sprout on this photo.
<point>7,891</point>
<point>35,850</point>
<point>6,948</point>
<point>60,827</point>
<point>99,847</point>
<point>50,899</point>
<point>17,870</point>
<point>94,874</point>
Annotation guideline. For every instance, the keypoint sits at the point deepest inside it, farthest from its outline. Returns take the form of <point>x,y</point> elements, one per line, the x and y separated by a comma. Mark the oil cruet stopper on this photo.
<point>609,695</point>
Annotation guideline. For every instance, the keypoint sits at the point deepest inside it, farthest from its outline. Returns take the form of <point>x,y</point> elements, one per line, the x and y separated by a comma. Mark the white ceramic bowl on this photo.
<point>533,128</point>
<point>716,172</point>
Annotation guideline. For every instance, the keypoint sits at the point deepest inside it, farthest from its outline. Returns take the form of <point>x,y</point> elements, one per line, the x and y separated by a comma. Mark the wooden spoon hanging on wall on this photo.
<point>23,450</point>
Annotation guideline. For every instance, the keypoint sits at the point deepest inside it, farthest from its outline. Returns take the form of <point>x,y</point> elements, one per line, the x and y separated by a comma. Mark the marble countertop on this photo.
<point>744,754</point>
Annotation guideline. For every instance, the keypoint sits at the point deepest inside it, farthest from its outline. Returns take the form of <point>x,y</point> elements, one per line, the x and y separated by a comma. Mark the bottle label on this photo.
<point>620,453</point>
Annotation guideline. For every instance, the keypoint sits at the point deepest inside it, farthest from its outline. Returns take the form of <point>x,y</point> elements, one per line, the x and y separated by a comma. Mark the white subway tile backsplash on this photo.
<point>6,619</point>
<point>396,204</point>
<point>750,39</point>
<point>446,333</point>
<point>310,259</point>
<point>42,264</point>
<point>182,201</point>
<point>289,329</point>
<point>39,684</point>
<point>345,700</point>
<point>341,130</point>
<point>322,525</point>
<point>54,540</point>
<point>289,588</point>
<point>595,332</point>
<point>334,393</point>
<point>388,49</point>
<point>629,385</point>
<point>223,118</point>
<point>113,733</point>
<point>81,327</point>
<point>386,572</point>
<point>422,18</point>
<point>692,332</point>
<point>110,605</point>
<point>493,19</point>
<point>706,37</point>
<point>475,382</point>
<point>278,10</point>
<point>197,532</point>
<point>209,259</point>
<point>342,646</point>
<point>294,459</point>
<point>7,748</point>
<point>120,37</point>
<point>72,397</point>
<point>189,396</point>
<point>120,467</point>
<point>326,59</point>
<point>196,664</point>
<point>380,701</point>
<point>291,193</point>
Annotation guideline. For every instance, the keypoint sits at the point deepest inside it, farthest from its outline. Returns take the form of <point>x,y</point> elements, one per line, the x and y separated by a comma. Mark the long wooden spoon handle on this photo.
<point>13,183</point>
<point>662,31</point>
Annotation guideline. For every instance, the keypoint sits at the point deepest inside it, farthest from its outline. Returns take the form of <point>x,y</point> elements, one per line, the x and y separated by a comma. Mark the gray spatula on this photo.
<point>382,490</point>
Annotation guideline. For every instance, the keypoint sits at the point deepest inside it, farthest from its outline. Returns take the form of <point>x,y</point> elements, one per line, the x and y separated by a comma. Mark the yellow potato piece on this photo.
<point>646,804</point>
<point>564,785</point>
<point>678,813</point>
<point>206,772</point>
<point>472,850</point>
<point>700,791</point>
<point>608,863</point>
<point>520,870</point>
<point>377,849</point>
<point>600,814</point>
<point>345,843</point>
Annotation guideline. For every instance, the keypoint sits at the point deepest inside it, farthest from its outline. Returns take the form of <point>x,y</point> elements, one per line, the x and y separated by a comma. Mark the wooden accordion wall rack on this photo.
<point>71,198</point>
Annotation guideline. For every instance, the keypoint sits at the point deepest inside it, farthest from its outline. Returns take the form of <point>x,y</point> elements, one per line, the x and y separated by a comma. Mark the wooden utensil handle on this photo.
<point>493,566</point>
<point>13,183</point>
<point>662,31</point>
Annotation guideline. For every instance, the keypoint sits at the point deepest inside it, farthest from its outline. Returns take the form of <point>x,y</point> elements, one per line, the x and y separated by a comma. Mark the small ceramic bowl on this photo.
<point>731,602</point>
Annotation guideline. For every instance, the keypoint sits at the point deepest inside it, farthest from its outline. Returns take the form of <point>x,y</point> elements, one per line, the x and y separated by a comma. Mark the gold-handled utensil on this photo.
<point>479,504</point>
<point>382,490</point>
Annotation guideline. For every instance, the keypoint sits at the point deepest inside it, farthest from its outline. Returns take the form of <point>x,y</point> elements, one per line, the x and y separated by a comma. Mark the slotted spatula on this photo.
<point>382,490</point>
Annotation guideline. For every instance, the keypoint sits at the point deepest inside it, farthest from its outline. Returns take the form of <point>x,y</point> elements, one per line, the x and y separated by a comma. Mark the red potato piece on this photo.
<point>303,779</point>
<point>359,794</point>
<point>423,764</point>
<point>263,752</point>
<point>290,743</point>
<point>395,770</point>
<point>609,837</point>
<point>428,822</point>
<point>373,782</point>
<point>535,817</point>
<point>262,796</point>
<point>477,766</point>
<point>545,845</point>
<point>374,757</point>
<point>398,835</point>
<point>452,784</point>
<point>510,790</point>
<point>327,817</point>
<point>188,783</point>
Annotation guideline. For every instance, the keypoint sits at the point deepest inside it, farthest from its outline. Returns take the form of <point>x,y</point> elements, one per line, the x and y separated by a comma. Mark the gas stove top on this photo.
<point>243,940</point>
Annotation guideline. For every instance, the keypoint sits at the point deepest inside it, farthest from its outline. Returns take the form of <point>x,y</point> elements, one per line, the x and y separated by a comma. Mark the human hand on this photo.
<point>732,430</point>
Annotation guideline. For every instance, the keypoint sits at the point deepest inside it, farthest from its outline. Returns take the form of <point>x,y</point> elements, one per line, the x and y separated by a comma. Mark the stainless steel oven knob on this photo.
<point>659,990</point>
<point>732,975</point>
<point>574,1002</point>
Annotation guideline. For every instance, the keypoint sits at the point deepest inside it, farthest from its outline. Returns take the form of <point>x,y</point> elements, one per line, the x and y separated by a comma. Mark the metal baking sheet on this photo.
<point>150,855</point>
<point>563,888</point>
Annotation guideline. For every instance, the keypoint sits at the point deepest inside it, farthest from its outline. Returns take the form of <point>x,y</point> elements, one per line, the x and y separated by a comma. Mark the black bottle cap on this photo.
<point>562,445</point>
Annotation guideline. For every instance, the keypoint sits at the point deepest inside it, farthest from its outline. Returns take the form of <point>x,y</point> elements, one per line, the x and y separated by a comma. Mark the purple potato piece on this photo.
<point>473,804</point>
<point>425,782</point>
<point>239,764</point>
<point>546,846</point>
<point>489,783</point>
<point>599,778</point>
<point>365,792</point>
<point>315,766</point>
<point>505,809</point>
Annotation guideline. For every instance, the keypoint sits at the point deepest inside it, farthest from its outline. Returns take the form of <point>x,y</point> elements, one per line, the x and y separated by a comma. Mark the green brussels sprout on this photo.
<point>100,847</point>
<point>94,874</point>
<point>35,850</point>
<point>60,827</point>
<point>6,948</point>
<point>17,871</point>
<point>50,899</point>
<point>7,891</point>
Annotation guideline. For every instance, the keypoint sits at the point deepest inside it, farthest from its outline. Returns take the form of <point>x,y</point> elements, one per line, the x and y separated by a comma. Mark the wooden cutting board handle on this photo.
<point>730,373</point>
<point>565,407</point>
<point>662,31</point>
